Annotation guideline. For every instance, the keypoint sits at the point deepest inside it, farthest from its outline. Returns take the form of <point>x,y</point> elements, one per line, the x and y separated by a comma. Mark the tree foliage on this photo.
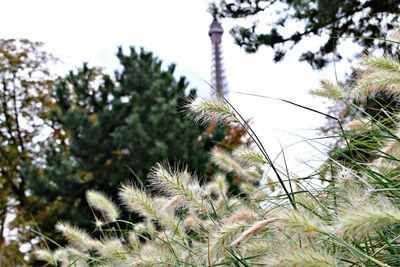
<point>290,21</point>
<point>25,82</point>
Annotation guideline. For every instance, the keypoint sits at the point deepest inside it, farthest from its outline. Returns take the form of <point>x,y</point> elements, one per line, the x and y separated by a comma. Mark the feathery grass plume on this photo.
<point>150,228</point>
<point>211,111</point>
<point>305,257</point>
<point>173,224</point>
<point>252,231</point>
<point>178,184</point>
<point>247,156</point>
<point>382,74</point>
<point>223,159</point>
<point>103,204</point>
<point>140,228</point>
<point>212,191</point>
<point>146,257</point>
<point>330,91</point>
<point>234,203</point>
<point>157,254</point>
<point>373,81</point>
<point>367,219</point>
<point>223,238</point>
<point>359,124</point>
<point>45,255</point>
<point>346,180</point>
<point>134,242</point>
<point>113,249</point>
<point>192,223</point>
<point>137,200</point>
<point>395,36</point>
<point>78,238</point>
<point>241,215</point>
<point>61,255</point>
<point>262,246</point>
<point>220,180</point>
<point>226,162</point>
<point>76,257</point>
<point>171,203</point>
<point>390,155</point>
<point>253,193</point>
<point>384,63</point>
<point>304,222</point>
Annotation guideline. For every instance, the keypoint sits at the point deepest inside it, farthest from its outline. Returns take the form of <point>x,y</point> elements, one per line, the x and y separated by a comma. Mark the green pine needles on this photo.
<point>353,220</point>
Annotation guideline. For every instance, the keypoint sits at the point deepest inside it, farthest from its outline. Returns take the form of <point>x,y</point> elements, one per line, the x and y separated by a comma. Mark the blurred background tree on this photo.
<point>114,129</point>
<point>25,83</point>
<point>291,21</point>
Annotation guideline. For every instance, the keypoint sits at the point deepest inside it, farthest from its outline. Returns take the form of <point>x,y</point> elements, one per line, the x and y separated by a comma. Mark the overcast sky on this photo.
<point>176,31</point>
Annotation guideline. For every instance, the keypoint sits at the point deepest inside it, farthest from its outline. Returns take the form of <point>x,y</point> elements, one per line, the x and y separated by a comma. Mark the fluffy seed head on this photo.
<point>205,111</point>
<point>221,240</point>
<point>103,204</point>
<point>134,242</point>
<point>329,90</point>
<point>77,237</point>
<point>61,255</point>
<point>242,215</point>
<point>395,35</point>
<point>166,180</point>
<point>221,183</point>
<point>384,63</point>
<point>367,219</point>
<point>45,255</point>
<point>257,227</point>
<point>178,184</point>
<point>248,156</point>
<point>112,249</point>
<point>304,222</point>
<point>305,257</point>
<point>226,162</point>
<point>192,223</point>
<point>171,203</point>
<point>359,124</point>
<point>137,200</point>
<point>376,81</point>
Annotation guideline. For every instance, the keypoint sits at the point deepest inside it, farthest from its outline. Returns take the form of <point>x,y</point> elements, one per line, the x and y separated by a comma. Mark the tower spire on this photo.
<point>217,70</point>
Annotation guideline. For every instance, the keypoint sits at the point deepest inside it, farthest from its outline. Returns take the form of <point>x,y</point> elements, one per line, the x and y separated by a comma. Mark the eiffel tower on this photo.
<point>218,80</point>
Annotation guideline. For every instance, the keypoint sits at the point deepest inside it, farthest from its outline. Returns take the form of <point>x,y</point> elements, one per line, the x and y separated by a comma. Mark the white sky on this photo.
<point>176,31</point>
